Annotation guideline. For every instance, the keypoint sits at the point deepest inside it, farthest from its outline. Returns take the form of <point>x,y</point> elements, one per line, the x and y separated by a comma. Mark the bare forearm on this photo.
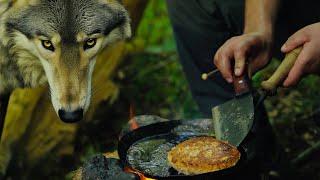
<point>260,15</point>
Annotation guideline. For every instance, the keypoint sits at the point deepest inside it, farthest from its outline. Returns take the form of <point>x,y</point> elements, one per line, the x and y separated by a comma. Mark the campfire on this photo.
<point>147,159</point>
<point>133,161</point>
<point>133,124</point>
<point>132,121</point>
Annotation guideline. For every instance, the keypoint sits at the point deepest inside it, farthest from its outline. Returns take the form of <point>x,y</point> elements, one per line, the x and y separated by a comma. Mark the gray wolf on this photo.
<point>57,42</point>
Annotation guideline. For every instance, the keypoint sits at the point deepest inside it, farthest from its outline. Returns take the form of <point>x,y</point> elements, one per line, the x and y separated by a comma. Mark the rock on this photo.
<point>101,168</point>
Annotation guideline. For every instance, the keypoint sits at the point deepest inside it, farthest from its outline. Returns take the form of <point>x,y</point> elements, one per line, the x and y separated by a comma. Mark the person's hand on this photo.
<point>238,50</point>
<point>308,62</point>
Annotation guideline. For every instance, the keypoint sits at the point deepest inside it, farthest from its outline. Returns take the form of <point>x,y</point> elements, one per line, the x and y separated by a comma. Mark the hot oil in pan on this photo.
<point>149,155</point>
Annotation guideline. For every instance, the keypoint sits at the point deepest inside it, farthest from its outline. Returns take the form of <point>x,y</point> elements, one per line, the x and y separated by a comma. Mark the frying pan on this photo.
<point>167,128</point>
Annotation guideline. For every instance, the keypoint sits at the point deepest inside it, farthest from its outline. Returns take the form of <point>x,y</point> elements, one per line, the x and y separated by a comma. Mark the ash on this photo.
<point>102,168</point>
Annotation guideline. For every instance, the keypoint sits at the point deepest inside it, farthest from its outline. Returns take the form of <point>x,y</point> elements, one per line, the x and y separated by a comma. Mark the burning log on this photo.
<point>100,167</point>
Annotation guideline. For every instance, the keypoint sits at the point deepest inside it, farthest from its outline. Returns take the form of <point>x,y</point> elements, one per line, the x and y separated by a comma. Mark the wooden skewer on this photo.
<point>205,76</point>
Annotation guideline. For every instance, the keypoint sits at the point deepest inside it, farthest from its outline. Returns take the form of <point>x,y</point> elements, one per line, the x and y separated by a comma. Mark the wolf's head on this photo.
<point>66,35</point>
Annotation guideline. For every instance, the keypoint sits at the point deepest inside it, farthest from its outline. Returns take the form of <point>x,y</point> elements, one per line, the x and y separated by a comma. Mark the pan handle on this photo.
<point>282,72</point>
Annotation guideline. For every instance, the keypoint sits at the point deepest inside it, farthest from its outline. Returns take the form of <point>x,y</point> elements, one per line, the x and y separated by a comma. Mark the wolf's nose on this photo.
<point>71,116</point>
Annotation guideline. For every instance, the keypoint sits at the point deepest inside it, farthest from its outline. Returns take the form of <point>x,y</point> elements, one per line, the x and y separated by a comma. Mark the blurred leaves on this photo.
<point>290,113</point>
<point>290,104</point>
<point>155,29</point>
<point>153,79</point>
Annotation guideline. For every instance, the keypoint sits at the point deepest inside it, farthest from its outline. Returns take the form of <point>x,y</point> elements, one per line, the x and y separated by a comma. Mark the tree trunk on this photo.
<point>32,130</point>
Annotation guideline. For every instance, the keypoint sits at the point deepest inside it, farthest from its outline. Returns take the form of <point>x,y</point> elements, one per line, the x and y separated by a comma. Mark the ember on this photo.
<point>141,175</point>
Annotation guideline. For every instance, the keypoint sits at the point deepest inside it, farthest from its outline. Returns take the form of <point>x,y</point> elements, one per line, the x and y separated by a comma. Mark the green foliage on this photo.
<point>155,29</point>
<point>156,82</point>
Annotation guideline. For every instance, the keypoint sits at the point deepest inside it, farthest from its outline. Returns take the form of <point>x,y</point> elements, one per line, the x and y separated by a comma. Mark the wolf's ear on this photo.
<point>127,27</point>
<point>119,19</point>
<point>127,21</point>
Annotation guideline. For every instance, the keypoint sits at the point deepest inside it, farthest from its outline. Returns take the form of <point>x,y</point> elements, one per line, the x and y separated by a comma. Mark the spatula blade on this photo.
<point>233,119</point>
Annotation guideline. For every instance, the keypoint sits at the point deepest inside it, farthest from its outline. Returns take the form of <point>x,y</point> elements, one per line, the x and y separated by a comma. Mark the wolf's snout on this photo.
<point>70,116</point>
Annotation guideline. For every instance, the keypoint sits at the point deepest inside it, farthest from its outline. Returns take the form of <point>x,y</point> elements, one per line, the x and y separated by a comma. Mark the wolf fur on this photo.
<point>67,24</point>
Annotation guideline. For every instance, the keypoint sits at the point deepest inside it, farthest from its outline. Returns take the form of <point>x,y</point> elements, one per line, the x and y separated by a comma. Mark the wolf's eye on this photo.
<point>90,43</point>
<point>48,45</point>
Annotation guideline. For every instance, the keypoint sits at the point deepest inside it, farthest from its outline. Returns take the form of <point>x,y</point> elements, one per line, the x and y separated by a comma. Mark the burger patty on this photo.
<point>202,155</point>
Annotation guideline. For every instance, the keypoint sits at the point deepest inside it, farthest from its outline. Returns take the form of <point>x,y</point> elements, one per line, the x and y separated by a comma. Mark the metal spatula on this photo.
<point>233,119</point>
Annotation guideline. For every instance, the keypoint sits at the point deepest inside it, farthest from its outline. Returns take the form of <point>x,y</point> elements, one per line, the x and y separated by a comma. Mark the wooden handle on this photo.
<point>282,72</point>
<point>241,84</point>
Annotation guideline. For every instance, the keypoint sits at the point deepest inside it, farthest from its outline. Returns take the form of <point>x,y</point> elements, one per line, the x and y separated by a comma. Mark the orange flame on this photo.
<point>134,125</point>
<point>132,121</point>
<point>141,175</point>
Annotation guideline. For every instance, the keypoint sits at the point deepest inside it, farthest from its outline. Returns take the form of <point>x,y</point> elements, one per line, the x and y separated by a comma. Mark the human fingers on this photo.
<point>296,40</point>
<point>299,67</point>
<point>222,60</point>
<point>240,58</point>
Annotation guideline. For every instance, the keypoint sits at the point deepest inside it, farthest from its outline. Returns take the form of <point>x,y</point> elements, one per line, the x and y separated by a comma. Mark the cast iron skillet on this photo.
<point>165,128</point>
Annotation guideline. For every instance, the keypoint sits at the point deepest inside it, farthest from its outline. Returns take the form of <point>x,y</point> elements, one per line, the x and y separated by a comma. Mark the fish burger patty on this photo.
<point>202,155</point>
